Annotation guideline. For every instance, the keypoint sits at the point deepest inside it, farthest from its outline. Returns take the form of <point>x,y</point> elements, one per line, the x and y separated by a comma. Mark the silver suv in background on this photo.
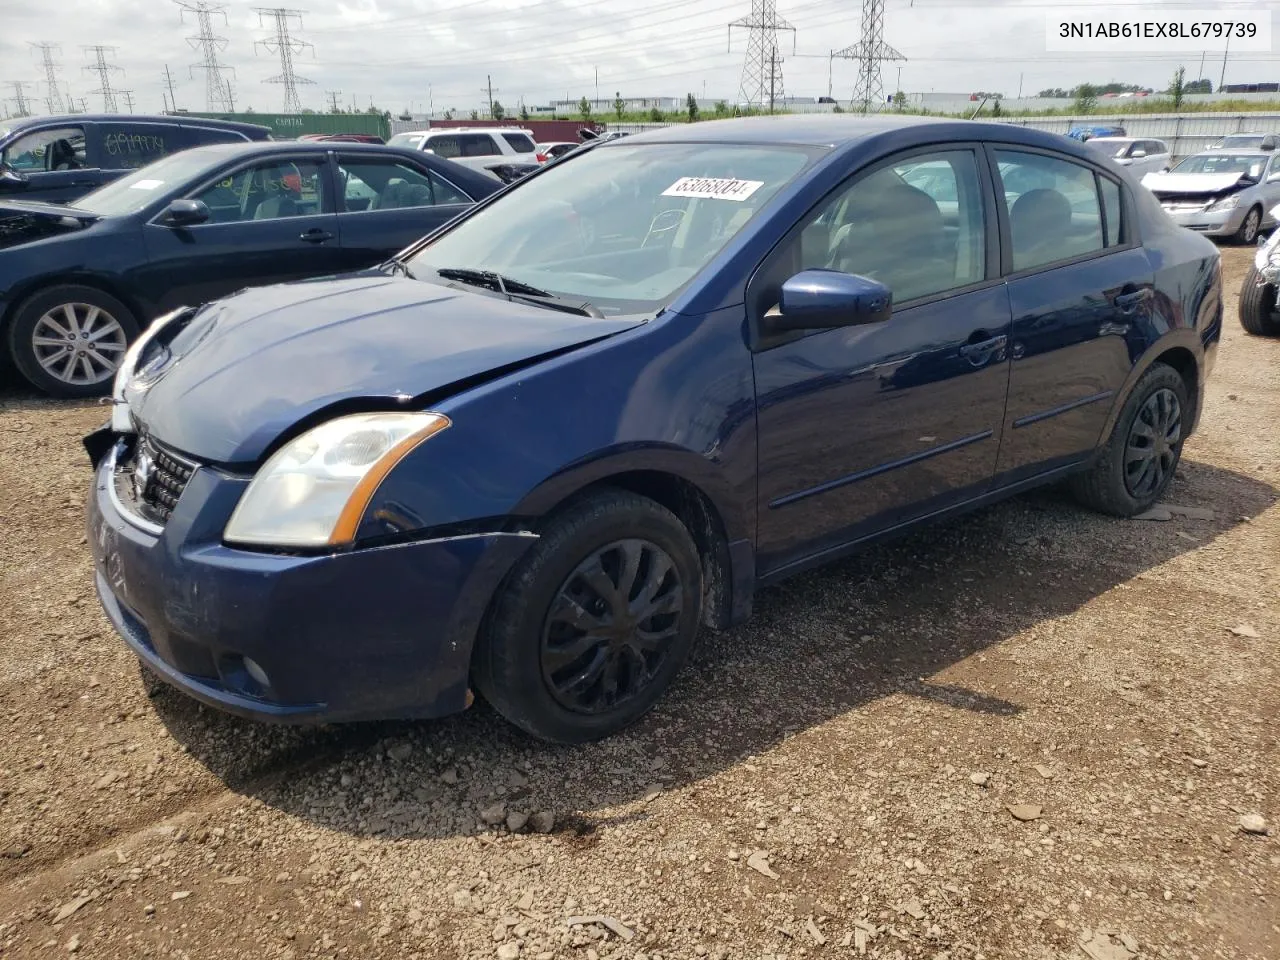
<point>1140,156</point>
<point>480,148</point>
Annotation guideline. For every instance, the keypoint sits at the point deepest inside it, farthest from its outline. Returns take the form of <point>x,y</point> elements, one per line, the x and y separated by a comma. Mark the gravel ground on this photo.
<point>1030,733</point>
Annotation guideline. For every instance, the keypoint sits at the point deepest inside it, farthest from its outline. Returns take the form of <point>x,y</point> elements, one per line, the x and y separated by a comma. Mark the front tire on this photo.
<point>590,628</point>
<point>1137,463</point>
<point>68,340</point>
<point>1258,306</point>
<point>1248,232</point>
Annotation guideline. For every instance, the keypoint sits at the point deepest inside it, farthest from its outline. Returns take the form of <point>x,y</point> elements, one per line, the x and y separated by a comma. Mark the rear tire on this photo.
<point>1258,306</point>
<point>1136,464</point>
<point>592,625</point>
<point>1248,232</point>
<point>68,340</point>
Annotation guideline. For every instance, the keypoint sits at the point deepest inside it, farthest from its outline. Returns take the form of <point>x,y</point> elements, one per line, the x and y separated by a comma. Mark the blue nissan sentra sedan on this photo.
<point>535,452</point>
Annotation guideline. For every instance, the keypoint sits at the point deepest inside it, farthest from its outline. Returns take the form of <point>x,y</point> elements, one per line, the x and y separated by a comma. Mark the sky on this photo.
<point>423,54</point>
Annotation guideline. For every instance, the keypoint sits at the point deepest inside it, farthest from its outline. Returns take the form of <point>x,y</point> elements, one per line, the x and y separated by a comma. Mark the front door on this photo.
<point>863,428</point>
<point>388,203</point>
<point>270,221</point>
<point>1082,294</point>
<point>51,164</point>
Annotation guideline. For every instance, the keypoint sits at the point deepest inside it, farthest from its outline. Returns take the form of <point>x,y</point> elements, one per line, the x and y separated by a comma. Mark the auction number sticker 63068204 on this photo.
<point>713,188</point>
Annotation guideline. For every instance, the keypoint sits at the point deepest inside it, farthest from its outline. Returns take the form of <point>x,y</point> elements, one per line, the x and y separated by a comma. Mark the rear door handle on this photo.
<point>1129,302</point>
<point>316,235</point>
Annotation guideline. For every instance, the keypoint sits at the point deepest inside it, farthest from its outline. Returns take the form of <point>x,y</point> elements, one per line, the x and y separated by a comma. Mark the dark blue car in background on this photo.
<point>535,452</point>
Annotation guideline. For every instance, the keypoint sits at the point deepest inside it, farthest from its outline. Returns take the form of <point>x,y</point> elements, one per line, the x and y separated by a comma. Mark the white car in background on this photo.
<point>1139,155</point>
<point>480,148</point>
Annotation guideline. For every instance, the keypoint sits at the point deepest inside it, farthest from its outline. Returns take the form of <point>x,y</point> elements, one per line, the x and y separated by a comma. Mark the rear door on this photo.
<point>386,203</point>
<point>1081,290</point>
<point>126,146</point>
<point>271,220</point>
<point>57,163</point>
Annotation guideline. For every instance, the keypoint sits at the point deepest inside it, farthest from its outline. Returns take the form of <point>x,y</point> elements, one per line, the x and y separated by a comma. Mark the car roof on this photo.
<point>1116,139</point>
<point>1235,152</point>
<point>434,131</point>
<point>21,123</point>
<point>842,131</point>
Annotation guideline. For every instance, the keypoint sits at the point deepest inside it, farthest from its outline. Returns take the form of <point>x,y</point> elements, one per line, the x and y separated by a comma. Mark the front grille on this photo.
<point>150,479</point>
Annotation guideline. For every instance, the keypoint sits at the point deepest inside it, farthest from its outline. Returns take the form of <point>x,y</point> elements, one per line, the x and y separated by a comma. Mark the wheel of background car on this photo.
<point>1248,231</point>
<point>1137,463</point>
<point>595,621</point>
<point>68,340</point>
<point>1258,306</point>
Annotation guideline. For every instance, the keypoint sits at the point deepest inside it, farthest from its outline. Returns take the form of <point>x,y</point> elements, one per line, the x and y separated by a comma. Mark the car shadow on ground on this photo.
<point>835,640</point>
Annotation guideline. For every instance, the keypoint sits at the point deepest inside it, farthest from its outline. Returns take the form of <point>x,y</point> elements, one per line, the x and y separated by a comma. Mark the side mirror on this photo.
<point>185,213</point>
<point>11,179</point>
<point>818,298</point>
<point>1138,154</point>
<point>1275,175</point>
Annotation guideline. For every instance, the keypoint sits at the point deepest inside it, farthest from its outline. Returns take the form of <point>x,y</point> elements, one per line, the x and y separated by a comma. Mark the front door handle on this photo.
<point>1127,303</point>
<point>980,351</point>
<point>316,235</point>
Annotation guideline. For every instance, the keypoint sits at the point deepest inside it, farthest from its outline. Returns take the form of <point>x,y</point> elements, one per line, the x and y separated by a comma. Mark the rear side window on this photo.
<point>519,142</point>
<point>1053,208</point>
<point>1111,207</point>
<point>128,146</point>
<point>201,136</point>
<point>477,145</point>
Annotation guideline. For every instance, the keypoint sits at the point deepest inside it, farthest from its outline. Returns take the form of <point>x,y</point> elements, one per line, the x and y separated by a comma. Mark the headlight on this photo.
<point>314,490</point>
<point>120,421</point>
<point>1226,203</point>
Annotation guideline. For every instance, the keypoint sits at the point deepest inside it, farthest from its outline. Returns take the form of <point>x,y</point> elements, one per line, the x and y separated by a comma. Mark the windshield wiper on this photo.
<point>517,290</point>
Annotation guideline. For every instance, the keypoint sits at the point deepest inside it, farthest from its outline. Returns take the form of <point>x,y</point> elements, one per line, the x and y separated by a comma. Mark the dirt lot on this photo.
<point>1030,733</point>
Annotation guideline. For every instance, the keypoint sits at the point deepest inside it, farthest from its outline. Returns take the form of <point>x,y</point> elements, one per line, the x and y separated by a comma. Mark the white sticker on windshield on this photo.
<point>146,185</point>
<point>714,188</point>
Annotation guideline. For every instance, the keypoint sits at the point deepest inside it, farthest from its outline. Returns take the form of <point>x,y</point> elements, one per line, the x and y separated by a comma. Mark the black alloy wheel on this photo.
<point>1151,450</point>
<point>611,626</point>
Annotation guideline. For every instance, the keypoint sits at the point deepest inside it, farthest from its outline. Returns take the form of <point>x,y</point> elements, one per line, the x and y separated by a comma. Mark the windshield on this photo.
<point>1247,163</point>
<point>405,139</point>
<point>623,227</point>
<point>140,187</point>
<point>1242,140</point>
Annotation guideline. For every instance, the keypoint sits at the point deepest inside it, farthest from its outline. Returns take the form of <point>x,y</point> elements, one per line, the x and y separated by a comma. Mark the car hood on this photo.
<point>245,369</point>
<point>1166,183</point>
<point>27,221</point>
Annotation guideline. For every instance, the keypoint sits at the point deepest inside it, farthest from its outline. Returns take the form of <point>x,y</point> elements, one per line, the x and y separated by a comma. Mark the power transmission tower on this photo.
<point>103,70</point>
<point>19,98</point>
<point>333,100</point>
<point>762,68</point>
<point>168,79</point>
<point>53,90</point>
<point>128,98</point>
<point>285,46</point>
<point>870,52</point>
<point>217,89</point>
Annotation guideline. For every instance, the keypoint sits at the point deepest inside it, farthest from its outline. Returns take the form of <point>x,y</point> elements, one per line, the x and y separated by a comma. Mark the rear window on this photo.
<point>519,142</point>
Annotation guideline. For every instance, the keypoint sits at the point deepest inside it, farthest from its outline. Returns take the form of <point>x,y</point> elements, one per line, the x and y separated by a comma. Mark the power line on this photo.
<point>217,88</point>
<point>128,98</point>
<point>19,98</point>
<point>488,88</point>
<point>168,79</point>
<point>761,68</point>
<point>53,90</point>
<point>103,69</point>
<point>333,100</point>
<point>285,46</point>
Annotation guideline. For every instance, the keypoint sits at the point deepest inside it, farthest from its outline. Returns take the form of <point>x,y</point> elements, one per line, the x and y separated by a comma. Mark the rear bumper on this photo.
<point>369,634</point>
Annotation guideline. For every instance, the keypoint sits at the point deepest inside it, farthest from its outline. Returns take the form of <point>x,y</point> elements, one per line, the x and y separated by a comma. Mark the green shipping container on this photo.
<point>289,126</point>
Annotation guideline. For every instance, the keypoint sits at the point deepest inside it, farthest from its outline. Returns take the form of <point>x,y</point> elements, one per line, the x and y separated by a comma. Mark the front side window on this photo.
<point>1053,208</point>
<point>444,146</point>
<point>138,189</point>
<point>130,146</point>
<point>61,148</point>
<point>388,185</point>
<point>623,227</point>
<point>267,191</point>
<point>916,226</point>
